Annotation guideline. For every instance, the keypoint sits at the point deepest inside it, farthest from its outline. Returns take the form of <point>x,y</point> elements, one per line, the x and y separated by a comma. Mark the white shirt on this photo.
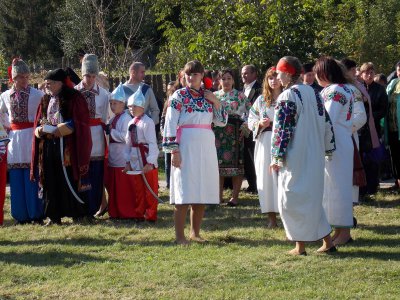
<point>248,87</point>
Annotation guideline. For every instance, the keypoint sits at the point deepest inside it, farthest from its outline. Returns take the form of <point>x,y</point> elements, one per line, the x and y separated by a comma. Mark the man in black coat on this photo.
<point>252,89</point>
<point>379,105</point>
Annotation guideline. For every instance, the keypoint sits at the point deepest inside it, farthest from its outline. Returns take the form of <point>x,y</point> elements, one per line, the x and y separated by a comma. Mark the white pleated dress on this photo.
<point>302,136</point>
<point>267,184</point>
<point>197,179</point>
<point>338,192</point>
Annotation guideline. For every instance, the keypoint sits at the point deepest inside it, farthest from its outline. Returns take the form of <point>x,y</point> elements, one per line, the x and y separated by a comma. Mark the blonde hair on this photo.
<point>267,91</point>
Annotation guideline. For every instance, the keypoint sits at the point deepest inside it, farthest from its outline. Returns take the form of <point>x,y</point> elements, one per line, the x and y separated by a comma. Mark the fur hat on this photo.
<point>90,64</point>
<point>56,75</point>
<point>137,99</point>
<point>18,67</point>
<point>119,94</point>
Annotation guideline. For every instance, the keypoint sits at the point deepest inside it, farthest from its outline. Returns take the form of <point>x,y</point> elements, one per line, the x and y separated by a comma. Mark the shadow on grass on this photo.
<point>51,258</point>
<point>381,229</point>
<point>367,254</point>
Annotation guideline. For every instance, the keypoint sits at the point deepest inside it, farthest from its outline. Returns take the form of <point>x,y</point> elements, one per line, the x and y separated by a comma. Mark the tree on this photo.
<point>117,31</point>
<point>27,29</point>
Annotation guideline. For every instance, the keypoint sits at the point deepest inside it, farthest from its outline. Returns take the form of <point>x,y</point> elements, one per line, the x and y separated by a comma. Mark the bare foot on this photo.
<point>323,249</point>
<point>272,225</point>
<point>296,252</point>
<point>198,239</point>
<point>183,242</point>
<point>342,241</point>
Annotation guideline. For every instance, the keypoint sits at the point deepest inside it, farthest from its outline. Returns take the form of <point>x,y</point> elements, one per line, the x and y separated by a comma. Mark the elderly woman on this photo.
<point>302,136</point>
<point>260,123</point>
<point>229,139</point>
<point>188,136</point>
<point>339,98</point>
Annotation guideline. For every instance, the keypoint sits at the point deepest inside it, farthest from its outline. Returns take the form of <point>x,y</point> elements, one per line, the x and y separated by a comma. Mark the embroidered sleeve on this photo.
<point>333,107</point>
<point>254,119</point>
<point>330,144</point>
<point>284,125</point>
<point>171,123</point>
<point>220,116</point>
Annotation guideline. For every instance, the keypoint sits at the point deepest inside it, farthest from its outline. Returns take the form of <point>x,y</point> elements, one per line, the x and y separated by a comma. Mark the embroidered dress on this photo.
<point>229,139</point>
<point>359,119</point>
<point>97,100</point>
<point>188,128</point>
<point>338,195</point>
<point>141,149</point>
<point>302,136</point>
<point>267,184</point>
<point>21,107</point>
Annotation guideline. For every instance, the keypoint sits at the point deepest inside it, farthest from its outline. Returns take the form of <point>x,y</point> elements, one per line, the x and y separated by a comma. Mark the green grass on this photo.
<point>243,259</point>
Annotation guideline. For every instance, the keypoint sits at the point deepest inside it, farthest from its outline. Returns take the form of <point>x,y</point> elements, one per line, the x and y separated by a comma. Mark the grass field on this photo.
<point>243,259</point>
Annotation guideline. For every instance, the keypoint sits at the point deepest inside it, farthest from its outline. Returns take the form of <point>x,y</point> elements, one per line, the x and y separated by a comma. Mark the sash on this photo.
<point>179,130</point>
<point>21,125</point>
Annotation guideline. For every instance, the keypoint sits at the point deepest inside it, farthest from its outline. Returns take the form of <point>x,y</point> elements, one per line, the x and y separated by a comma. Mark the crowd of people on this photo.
<point>309,140</point>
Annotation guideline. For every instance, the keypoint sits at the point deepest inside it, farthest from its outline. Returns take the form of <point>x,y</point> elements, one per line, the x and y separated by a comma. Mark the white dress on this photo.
<point>338,191</point>
<point>302,136</point>
<point>267,184</point>
<point>197,179</point>
<point>98,101</point>
<point>24,110</point>
<point>359,119</point>
<point>117,145</point>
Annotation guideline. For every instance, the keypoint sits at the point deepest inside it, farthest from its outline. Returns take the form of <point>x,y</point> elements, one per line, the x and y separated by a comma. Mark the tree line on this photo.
<point>165,34</point>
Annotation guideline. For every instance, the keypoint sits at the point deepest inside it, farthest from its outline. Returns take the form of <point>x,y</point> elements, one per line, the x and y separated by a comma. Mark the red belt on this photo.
<point>21,125</point>
<point>143,149</point>
<point>95,122</point>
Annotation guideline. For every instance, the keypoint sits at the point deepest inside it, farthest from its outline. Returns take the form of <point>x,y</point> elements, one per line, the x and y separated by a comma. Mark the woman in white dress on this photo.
<point>188,136</point>
<point>338,97</point>
<point>302,137</point>
<point>260,122</point>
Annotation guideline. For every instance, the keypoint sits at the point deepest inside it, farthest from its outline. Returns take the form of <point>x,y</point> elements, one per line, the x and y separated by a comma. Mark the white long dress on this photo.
<point>197,179</point>
<point>301,138</point>
<point>338,192</point>
<point>359,119</point>
<point>267,184</point>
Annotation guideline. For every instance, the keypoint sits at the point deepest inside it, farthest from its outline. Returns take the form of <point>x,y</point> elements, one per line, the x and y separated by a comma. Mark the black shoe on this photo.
<point>354,222</point>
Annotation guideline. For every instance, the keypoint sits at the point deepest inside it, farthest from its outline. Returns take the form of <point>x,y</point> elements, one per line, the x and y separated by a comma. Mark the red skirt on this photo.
<point>128,196</point>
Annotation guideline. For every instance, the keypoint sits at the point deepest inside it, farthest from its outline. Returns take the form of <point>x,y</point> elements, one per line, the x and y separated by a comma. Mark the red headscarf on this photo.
<point>284,66</point>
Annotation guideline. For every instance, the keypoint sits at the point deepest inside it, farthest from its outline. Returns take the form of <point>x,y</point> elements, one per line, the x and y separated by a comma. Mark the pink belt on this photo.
<point>179,131</point>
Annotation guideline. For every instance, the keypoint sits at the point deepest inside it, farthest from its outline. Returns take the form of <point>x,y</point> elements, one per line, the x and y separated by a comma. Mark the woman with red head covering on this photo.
<point>302,137</point>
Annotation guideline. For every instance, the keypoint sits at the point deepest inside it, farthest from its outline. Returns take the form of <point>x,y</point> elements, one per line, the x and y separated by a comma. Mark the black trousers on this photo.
<point>394,145</point>
<point>249,168</point>
<point>59,200</point>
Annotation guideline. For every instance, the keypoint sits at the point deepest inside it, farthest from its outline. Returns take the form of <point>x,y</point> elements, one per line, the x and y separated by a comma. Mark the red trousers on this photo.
<point>3,182</point>
<point>128,196</point>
